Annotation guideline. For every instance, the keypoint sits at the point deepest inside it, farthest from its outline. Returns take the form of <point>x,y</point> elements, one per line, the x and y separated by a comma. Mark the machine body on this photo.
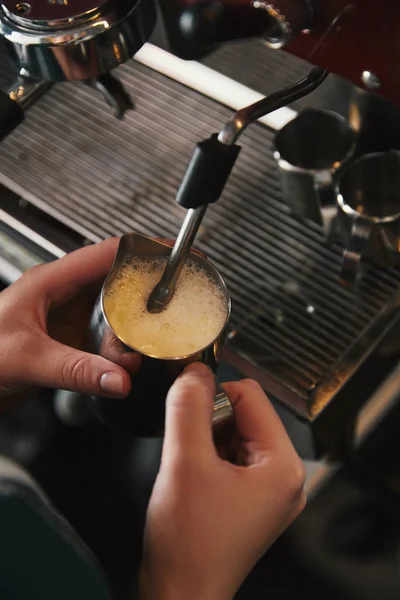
<point>358,39</point>
<point>61,40</point>
<point>55,42</point>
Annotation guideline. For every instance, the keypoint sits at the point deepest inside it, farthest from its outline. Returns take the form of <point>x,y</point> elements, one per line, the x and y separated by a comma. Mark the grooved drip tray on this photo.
<point>293,324</point>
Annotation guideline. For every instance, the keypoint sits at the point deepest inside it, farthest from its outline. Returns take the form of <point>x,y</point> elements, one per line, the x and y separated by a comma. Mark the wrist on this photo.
<point>154,588</point>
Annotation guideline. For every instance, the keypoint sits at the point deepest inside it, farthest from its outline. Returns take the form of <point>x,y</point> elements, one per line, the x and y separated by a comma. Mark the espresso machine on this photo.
<point>102,106</point>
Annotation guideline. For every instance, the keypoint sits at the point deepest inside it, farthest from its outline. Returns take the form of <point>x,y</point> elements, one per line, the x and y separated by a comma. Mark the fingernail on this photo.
<point>199,369</point>
<point>112,383</point>
<point>201,372</point>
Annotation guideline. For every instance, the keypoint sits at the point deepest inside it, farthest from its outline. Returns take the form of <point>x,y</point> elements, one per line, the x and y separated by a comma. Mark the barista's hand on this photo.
<point>209,520</point>
<point>43,320</point>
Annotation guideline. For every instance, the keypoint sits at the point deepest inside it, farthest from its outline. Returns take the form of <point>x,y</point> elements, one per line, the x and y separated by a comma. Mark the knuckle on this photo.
<point>75,371</point>
<point>31,273</point>
<point>32,281</point>
<point>187,388</point>
<point>21,348</point>
<point>301,503</point>
<point>250,385</point>
<point>294,480</point>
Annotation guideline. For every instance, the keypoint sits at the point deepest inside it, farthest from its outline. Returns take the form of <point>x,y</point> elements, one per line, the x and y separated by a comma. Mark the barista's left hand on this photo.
<point>43,320</point>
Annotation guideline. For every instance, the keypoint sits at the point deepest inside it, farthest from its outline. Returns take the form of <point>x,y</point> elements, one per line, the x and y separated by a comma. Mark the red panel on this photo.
<point>351,37</point>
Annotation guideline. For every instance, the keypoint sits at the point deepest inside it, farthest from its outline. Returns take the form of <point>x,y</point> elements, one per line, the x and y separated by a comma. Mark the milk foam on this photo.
<point>191,321</point>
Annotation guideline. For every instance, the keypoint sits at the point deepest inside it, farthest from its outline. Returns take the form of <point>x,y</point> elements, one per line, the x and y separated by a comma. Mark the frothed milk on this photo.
<point>191,321</point>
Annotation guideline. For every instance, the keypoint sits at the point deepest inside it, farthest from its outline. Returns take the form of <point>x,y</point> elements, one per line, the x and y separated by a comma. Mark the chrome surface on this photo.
<point>370,80</point>
<point>368,198</point>
<point>57,42</point>
<point>360,232</point>
<point>236,125</point>
<point>379,407</point>
<point>21,249</point>
<point>244,117</point>
<point>309,151</point>
<point>288,18</point>
<point>222,409</point>
<point>307,334</point>
<point>143,411</point>
<point>25,90</point>
<point>51,11</point>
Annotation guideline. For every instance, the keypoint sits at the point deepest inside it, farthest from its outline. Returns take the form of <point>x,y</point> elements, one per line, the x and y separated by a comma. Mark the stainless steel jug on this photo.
<point>142,412</point>
<point>309,151</point>
<point>368,197</point>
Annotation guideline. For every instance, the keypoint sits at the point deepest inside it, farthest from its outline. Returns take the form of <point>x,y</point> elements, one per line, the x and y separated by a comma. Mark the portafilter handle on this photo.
<point>114,93</point>
<point>207,173</point>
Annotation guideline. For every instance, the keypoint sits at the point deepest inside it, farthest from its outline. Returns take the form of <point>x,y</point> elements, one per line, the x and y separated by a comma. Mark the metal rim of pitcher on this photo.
<point>222,286</point>
<point>318,172</point>
<point>349,210</point>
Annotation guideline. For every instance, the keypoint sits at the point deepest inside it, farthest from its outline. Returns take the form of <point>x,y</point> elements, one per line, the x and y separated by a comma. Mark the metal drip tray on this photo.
<point>306,334</point>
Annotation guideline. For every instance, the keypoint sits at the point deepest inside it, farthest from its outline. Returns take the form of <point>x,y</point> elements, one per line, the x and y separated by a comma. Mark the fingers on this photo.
<point>188,427</point>
<point>255,418</point>
<point>265,443</point>
<point>62,278</point>
<point>114,350</point>
<point>57,366</point>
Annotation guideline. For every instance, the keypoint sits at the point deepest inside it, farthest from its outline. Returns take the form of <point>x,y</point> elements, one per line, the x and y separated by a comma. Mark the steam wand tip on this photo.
<point>159,298</point>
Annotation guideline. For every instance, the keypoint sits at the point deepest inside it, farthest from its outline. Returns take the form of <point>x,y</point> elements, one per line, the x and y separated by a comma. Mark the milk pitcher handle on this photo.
<point>360,234</point>
<point>222,409</point>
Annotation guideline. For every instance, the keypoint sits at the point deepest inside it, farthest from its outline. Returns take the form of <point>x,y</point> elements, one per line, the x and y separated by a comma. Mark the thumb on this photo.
<point>188,425</point>
<point>61,367</point>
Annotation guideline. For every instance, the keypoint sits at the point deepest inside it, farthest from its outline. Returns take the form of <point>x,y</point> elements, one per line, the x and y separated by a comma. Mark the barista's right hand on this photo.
<point>43,321</point>
<point>210,520</point>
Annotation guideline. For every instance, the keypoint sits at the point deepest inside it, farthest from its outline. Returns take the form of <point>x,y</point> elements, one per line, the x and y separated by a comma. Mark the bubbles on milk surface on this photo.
<point>192,320</point>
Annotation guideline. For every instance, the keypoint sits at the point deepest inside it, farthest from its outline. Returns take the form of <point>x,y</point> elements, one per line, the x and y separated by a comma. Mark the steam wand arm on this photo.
<point>209,170</point>
<point>245,116</point>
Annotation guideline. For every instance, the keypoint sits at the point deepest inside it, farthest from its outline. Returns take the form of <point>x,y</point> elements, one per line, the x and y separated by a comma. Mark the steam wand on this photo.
<point>208,172</point>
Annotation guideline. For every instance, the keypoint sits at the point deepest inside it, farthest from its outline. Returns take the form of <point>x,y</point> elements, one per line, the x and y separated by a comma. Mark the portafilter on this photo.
<point>57,40</point>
